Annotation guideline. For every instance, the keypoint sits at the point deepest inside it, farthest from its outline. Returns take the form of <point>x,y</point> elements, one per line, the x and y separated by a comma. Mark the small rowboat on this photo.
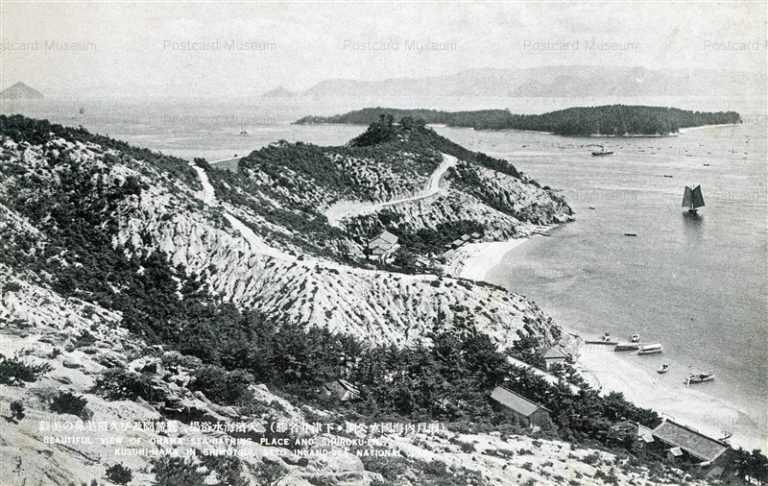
<point>663,368</point>
<point>650,349</point>
<point>695,378</point>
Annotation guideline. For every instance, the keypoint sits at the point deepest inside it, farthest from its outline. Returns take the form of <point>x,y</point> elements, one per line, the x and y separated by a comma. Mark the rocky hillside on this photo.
<point>97,210</point>
<point>157,327</point>
<point>404,178</point>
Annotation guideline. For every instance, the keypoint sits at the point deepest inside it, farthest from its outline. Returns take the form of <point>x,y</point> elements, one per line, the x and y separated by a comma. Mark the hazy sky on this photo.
<point>245,48</point>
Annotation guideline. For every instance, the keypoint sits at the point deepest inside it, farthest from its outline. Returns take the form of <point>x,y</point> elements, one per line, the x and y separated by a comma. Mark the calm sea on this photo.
<point>697,285</point>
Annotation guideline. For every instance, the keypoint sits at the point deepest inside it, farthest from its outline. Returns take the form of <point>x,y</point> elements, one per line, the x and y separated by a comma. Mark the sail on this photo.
<point>688,197</point>
<point>698,197</point>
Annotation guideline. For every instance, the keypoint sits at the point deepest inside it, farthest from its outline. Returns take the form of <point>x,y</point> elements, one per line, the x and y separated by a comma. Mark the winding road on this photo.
<point>348,208</point>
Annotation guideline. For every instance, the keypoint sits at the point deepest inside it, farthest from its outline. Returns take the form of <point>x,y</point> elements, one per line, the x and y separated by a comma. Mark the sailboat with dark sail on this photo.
<point>693,199</point>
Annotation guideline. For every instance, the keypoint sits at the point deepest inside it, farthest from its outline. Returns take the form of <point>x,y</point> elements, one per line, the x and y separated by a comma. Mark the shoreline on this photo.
<point>701,127</point>
<point>628,373</point>
<point>610,371</point>
<point>474,261</point>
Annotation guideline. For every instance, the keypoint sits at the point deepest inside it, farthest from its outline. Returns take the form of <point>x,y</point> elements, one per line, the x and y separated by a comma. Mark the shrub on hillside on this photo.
<point>222,386</point>
<point>69,403</point>
<point>176,471</point>
<point>17,410</point>
<point>15,371</point>
<point>120,384</point>
<point>119,474</point>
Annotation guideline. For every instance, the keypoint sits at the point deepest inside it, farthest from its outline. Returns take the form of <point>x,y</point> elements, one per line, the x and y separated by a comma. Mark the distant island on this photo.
<point>20,91</point>
<point>279,92</point>
<point>608,120</point>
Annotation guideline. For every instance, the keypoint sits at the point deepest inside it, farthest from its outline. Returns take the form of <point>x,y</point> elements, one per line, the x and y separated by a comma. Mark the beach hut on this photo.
<point>524,411</point>
<point>687,446</point>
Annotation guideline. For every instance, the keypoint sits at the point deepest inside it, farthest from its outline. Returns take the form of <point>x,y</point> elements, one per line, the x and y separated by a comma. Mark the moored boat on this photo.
<point>695,378</point>
<point>663,368</point>
<point>650,349</point>
<point>601,152</point>
<point>627,347</point>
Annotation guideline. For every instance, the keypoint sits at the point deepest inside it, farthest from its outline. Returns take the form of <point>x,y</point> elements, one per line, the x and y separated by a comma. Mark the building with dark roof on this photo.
<point>524,411</point>
<point>686,443</point>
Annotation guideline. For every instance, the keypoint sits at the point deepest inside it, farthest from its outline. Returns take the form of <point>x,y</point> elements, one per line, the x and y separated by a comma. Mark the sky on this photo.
<point>186,49</point>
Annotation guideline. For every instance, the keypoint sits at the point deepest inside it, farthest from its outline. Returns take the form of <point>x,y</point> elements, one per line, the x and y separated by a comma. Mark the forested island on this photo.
<point>608,120</point>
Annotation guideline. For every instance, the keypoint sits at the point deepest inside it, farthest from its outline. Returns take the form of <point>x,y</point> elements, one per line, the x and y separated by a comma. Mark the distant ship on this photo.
<point>81,111</point>
<point>243,131</point>
<point>693,199</point>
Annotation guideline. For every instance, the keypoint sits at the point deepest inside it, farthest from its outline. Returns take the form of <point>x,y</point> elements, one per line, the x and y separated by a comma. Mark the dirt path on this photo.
<point>208,196</point>
<point>347,208</point>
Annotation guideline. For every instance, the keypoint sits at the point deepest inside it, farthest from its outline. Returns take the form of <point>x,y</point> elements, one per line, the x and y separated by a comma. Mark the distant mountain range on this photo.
<point>549,81</point>
<point>20,91</point>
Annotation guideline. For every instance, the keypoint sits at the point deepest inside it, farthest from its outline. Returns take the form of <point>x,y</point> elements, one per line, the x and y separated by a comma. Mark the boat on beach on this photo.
<point>696,378</point>
<point>601,341</point>
<point>604,339</point>
<point>627,347</point>
<point>650,349</point>
<point>663,368</point>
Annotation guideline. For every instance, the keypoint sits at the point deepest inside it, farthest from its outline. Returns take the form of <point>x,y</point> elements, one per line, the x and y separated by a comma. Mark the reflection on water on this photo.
<point>693,228</point>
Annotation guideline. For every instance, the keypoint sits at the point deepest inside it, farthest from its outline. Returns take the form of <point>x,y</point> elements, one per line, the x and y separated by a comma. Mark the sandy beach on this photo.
<point>690,129</point>
<point>628,373</point>
<point>475,260</point>
<point>667,394</point>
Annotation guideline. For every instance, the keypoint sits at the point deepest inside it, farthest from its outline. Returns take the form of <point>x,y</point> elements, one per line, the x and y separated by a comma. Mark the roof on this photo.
<point>385,238</point>
<point>556,352</point>
<point>515,402</point>
<point>691,441</point>
<point>645,434</point>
